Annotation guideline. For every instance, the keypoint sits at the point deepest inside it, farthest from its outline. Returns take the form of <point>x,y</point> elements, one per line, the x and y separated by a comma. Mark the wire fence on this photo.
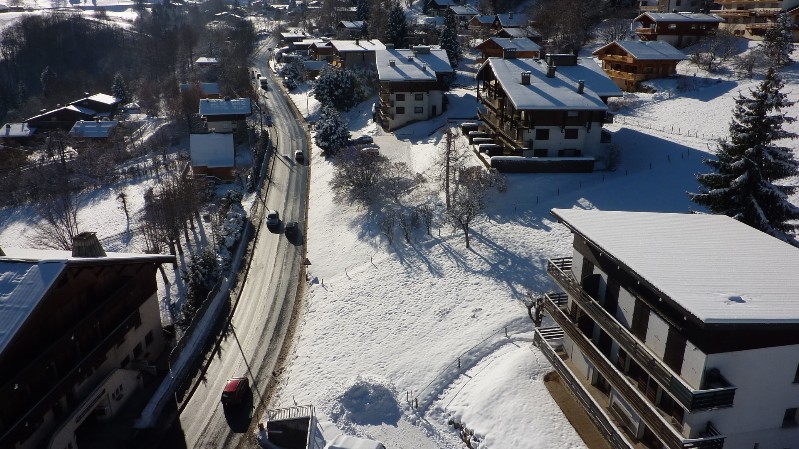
<point>667,129</point>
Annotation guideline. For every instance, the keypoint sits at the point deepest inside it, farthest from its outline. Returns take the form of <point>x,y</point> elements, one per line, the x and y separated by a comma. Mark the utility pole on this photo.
<point>448,155</point>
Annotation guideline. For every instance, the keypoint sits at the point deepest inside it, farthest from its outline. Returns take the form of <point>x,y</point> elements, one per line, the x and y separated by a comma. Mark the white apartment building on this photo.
<point>677,330</point>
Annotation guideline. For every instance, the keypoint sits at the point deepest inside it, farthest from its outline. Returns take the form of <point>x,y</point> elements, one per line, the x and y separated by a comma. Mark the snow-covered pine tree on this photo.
<point>397,32</point>
<point>743,184</point>
<point>332,132</point>
<point>119,88</point>
<point>449,39</point>
<point>778,41</point>
<point>338,88</point>
<point>362,10</point>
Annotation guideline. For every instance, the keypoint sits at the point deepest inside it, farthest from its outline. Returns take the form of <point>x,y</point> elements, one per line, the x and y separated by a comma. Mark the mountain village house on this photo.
<point>630,62</point>
<point>94,107</point>
<point>670,5</point>
<point>412,84</point>
<point>223,115</point>
<point>686,336</point>
<point>751,19</point>
<point>546,109</point>
<point>81,333</point>
<point>680,29</point>
<point>213,154</point>
<point>349,54</point>
<point>497,47</point>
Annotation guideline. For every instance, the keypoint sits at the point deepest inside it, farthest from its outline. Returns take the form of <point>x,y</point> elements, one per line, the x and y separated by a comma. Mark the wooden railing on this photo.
<point>629,76</point>
<point>656,422</point>
<point>692,400</point>
<point>593,410</point>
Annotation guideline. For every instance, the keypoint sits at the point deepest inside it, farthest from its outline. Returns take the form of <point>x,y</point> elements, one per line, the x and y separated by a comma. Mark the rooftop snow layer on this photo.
<point>648,50</point>
<point>717,268</point>
<point>558,92</point>
<point>228,106</point>
<point>344,46</point>
<point>522,43</point>
<point>212,150</point>
<point>104,98</point>
<point>680,17</point>
<point>413,69</point>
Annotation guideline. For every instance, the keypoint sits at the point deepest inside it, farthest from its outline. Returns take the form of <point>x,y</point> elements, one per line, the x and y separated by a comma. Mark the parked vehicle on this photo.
<point>234,391</point>
<point>299,156</point>
<point>292,230</point>
<point>362,140</point>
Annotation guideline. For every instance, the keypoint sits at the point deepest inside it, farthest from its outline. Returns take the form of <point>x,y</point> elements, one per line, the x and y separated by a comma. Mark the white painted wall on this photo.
<point>577,264</point>
<point>587,142</point>
<point>656,332</point>
<point>693,365</point>
<point>428,101</point>
<point>764,378</point>
<point>626,307</point>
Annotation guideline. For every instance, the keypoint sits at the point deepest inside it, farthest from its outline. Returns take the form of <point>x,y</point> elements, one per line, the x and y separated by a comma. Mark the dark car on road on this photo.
<point>292,230</point>
<point>234,391</point>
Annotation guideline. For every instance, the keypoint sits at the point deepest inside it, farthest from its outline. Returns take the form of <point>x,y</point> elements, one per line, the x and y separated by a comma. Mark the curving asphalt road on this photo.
<point>261,318</point>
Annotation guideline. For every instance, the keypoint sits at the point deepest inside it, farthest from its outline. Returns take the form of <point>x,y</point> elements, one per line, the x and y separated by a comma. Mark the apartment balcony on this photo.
<point>660,425</point>
<point>617,58</point>
<point>499,131</point>
<point>629,76</point>
<point>691,399</point>
<point>648,31</point>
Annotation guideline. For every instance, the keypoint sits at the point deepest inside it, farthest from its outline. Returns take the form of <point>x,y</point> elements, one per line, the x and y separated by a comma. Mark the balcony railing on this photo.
<point>645,31</point>
<point>617,58</point>
<point>656,422</point>
<point>628,75</point>
<point>594,411</point>
<point>692,400</point>
<point>499,131</point>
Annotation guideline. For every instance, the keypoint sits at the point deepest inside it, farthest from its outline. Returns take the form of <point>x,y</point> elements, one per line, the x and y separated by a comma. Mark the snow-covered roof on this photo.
<point>514,32</point>
<point>648,50</point>
<point>81,109</point>
<point>352,24</point>
<point>522,43</point>
<point>680,17</point>
<point>205,88</point>
<point>27,274</point>
<point>463,10</point>
<point>105,99</point>
<point>484,19</point>
<point>412,65</point>
<point>93,129</point>
<point>16,130</point>
<point>344,46</point>
<point>314,65</point>
<point>558,92</point>
<point>512,20</point>
<point>225,106</point>
<point>206,60</point>
<point>715,267</point>
<point>442,2</point>
<point>212,150</point>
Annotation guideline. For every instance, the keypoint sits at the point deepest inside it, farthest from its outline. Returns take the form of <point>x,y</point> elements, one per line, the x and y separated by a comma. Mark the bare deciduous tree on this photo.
<point>468,200</point>
<point>715,48</point>
<point>59,224</point>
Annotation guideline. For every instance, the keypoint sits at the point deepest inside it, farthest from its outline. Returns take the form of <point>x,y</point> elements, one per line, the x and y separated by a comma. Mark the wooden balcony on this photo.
<point>691,399</point>
<point>507,140</point>
<point>646,31</point>
<point>659,424</point>
<point>629,76</point>
<point>617,58</point>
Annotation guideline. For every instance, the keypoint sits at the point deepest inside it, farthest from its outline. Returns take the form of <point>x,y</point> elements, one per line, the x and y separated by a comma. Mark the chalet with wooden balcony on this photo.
<point>511,20</point>
<point>349,54</point>
<point>481,22</point>
<point>545,109</point>
<point>680,29</point>
<point>224,115</point>
<point>628,63</point>
<point>79,331</point>
<point>412,84</point>
<point>676,331</point>
<point>437,7</point>
<point>670,5</point>
<point>497,47</point>
<point>752,18</point>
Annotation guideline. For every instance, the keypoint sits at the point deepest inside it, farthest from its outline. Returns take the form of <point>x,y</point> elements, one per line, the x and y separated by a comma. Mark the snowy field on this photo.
<point>397,340</point>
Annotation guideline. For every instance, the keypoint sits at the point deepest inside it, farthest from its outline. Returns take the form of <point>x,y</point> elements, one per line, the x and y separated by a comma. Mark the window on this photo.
<point>400,110</point>
<point>148,338</point>
<point>418,97</point>
<point>540,152</point>
<point>672,26</point>
<point>400,97</point>
<point>571,133</point>
<point>789,419</point>
<point>542,134</point>
<point>418,110</point>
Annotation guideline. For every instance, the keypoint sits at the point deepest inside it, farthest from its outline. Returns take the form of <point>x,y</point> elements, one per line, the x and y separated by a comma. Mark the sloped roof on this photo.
<point>85,111</point>
<point>484,19</point>
<point>363,45</point>
<point>464,10</point>
<point>648,50</point>
<point>93,129</point>
<point>522,43</point>
<point>715,267</point>
<point>556,93</point>
<point>226,106</point>
<point>206,60</point>
<point>314,65</point>
<point>206,88</point>
<point>352,24</point>
<point>441,2</point>
<point>681,17</point>
<point>404,69</point>
<point>26,275</point>
<point>212,150</point>
<point>104,98</point>
<point>513,20</point>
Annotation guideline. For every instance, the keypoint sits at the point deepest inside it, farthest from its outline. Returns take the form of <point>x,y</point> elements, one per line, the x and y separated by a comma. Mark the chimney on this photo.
<point>389,46</point>
<point>509,53</point>
<point>424,67</point>
<point>510,15</point>
<point>525,78</point>
<point>580,86</point>
<point>410,58</point>
<point>227,98</point>
<point>551,71</point>
<point>357,41</point>
<point>392,62</point>
<point>86,244</point>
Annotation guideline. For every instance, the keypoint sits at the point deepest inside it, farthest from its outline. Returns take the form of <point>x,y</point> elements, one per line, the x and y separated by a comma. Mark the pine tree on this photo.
<point>362,10</point>
<point>332,132</point>
<point>119,88</point>
<point>47,79</point>
<point>778,41</point>
<point>397,32</point>
<point>338,88</point>
<point>748,165</point>
<point>449,39</point>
